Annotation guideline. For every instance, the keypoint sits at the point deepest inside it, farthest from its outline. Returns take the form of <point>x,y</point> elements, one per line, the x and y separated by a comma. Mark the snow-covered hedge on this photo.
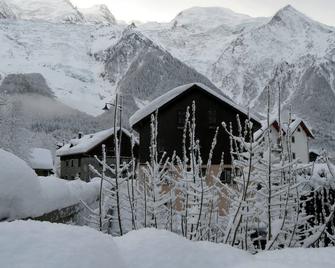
<point>57,245</point>
<point>23,194</point>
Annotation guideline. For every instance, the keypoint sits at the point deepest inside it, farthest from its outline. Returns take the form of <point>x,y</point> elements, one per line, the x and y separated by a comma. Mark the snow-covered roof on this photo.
<point>41,159</point>
<point>87,142</point>
<point>295,124</point>
<point>264,127</point>
<point>173,93</point>
<point>293,127</point>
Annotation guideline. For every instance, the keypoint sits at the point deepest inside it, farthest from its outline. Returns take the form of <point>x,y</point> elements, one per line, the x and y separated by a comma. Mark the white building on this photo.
<point>300,135</point>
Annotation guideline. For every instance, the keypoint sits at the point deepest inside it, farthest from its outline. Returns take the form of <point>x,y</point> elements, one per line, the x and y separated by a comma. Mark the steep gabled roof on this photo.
<point>293,127</point>
<point>173,93</point>
<point>87,142</point>
<point>299,122</point>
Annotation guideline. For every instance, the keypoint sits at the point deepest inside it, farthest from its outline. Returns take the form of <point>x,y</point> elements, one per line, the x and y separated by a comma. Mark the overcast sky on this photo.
<point>165,10</point>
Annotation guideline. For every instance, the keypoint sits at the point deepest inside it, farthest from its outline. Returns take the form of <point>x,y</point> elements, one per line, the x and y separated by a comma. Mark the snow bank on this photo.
<point>150,248</point>
<point>20,190</point>
<point>58,193</point>
<point>41,245</point>
<point>36,244</point>
<point>23,194</point>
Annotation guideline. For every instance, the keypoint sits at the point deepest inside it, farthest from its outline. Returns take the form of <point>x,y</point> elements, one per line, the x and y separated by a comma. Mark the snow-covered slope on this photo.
<point>288,36</point>
<point>62,53</point>
<point>198,36</point>
<point>248,64</point>
<point>201,19</point>
<point>98,14</point>
<point>142,70</point>
<point>47,10</point>
<point>5,11</point>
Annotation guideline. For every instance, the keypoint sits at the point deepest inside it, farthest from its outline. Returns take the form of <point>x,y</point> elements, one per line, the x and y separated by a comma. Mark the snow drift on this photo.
<point>148,248</point>
<point>23,194</point>
<point>40,245</point>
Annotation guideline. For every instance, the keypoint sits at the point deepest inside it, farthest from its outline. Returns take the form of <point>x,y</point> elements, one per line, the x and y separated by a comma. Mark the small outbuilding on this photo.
<point>41,161</point>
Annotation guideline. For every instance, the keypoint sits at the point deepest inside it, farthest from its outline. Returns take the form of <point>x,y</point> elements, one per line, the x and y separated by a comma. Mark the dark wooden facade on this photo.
<point>210,113</point>
<point>77,165</point>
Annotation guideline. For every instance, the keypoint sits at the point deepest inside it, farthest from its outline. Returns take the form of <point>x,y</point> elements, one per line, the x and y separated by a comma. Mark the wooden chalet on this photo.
<point>78,154</point>
<point>212,109</point>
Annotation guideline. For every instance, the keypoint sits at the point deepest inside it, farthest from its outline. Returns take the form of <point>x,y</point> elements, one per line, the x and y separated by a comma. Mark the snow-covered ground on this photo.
<point>23,194</point>
<point>36,244</point>
<point>45,245</point>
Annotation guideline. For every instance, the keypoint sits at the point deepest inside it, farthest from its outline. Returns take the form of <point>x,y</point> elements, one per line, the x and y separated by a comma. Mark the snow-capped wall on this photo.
<point>23,194</point>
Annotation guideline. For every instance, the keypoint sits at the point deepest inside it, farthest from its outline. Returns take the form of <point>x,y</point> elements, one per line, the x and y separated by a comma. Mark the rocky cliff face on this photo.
<point>142,70</point>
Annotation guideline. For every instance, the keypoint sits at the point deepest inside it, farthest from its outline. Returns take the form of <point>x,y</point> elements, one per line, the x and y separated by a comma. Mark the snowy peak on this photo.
<point>199,19</point>
<point>5,11</point>
<point>98,14</point>
<point>292,19</point>
<point>46,10</point>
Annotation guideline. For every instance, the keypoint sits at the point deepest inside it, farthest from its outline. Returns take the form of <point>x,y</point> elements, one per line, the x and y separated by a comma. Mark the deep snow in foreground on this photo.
<point>23,194</point>
<point>45,245</point>
<point>36,244</point>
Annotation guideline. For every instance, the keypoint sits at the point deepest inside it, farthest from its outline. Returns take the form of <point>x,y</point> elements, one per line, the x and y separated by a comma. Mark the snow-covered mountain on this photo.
<point>98,14</point>
<point>47,10</point>
<point>56,11</point>
<point>63,54</point>
<point>84,63</point>
<point>201,19</point>
<point>241,58</point>
<point>198,36</point>
<point>142,70</point>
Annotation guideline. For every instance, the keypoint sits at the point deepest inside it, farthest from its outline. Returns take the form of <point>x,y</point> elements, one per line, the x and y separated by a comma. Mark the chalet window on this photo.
<point>72,164</point>
<point>212,118</point>
<point>293,155</point>
<point>181,114</point>
<point>67,163</point>
<point>293,139</point>
<point>226,176</point>
<point>79,162</point>
<point>299,130</point>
